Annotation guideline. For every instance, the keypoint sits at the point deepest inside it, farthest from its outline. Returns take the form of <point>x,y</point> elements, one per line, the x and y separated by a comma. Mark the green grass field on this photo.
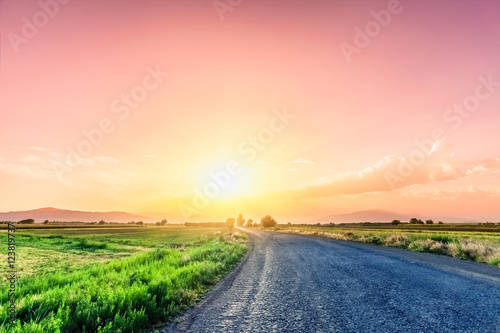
<point>464,241</point>
<point>127,279</point>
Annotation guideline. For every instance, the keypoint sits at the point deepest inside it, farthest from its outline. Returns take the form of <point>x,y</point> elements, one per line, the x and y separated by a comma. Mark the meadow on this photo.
<point>118,279</point>
<point>478,242</point>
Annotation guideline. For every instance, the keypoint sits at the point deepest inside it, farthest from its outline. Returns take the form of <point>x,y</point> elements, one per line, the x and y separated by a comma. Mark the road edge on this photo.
<point>182,322</point>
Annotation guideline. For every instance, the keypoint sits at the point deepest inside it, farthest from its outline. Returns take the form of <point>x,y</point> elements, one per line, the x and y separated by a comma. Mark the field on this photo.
<point>479,242</point>
<point>127,279</point>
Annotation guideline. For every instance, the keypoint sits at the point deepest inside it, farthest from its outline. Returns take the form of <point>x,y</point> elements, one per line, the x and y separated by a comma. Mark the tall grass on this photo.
<point>123,295</point>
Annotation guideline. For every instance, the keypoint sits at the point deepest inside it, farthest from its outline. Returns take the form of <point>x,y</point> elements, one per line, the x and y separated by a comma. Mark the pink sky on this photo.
<point>355,120</point>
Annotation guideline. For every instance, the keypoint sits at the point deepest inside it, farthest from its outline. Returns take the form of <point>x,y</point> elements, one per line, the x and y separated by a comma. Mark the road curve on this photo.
<point>293,283</point>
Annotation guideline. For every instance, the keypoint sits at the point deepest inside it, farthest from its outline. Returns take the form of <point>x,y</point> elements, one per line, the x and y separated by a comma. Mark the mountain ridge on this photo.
<point>380,215</point>
<point>66,215</point>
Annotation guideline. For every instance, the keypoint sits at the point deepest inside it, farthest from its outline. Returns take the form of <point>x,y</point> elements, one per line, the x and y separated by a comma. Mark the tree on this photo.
<point>230,222</point>
<point>163,222</point>
<point>429,222</point>
<point>249,223</point>
<point>240,221</point>
<point>414,220</point>
<point>441,222</point>
<point>420,221</point>
<point>46,221</point>
<point>268,221</point>
<point>158,223</point>
<point>139,223</point>
<point>395,222</point>
<point>27,221</point>
<point>101,222</point>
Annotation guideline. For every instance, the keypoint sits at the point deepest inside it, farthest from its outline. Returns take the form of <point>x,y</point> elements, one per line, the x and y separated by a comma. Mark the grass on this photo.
<point>476,242</point>
<point>115,280</point>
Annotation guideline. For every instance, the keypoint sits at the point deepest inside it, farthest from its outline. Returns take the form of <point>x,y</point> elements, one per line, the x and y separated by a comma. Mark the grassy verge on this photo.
<point>481,246</point>
<point>123,282</point>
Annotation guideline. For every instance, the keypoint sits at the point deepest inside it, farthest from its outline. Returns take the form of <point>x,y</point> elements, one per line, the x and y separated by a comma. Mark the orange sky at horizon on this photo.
<point>193,112</point>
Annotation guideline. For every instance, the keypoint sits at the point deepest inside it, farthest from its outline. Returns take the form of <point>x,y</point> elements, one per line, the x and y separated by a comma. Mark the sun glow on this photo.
<point>232,183</point>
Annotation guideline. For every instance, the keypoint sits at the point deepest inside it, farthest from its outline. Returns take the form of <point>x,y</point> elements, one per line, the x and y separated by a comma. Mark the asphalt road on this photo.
<point>292,283</point>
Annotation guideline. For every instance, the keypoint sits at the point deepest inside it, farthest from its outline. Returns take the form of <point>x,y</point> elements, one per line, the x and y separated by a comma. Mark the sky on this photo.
<point>201,110</point>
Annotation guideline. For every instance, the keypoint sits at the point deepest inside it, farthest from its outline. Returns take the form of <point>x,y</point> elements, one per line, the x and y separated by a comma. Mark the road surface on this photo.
<point>293,283</point>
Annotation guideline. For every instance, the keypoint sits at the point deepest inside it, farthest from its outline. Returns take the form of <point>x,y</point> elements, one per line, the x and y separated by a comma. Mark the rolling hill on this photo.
<point>55,214</point>
<point>378,215</point>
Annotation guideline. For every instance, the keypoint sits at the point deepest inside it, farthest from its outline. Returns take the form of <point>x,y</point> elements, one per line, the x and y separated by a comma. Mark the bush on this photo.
<point>240,221</point>
<point>429,222</point>
<point>230,222</point>
<point>27,221</point>
<point>398,240</point>
<point>395,222</point>
<point>429,246</point>
<point>268,221</point>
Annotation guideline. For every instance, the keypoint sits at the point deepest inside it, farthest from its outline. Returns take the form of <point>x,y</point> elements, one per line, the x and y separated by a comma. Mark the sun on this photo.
<point>226,184</point>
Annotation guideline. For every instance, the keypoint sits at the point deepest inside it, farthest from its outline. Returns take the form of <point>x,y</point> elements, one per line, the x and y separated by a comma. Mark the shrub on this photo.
<point>230,222</point>
<point>395,222</point>
<point>428,245</point>
<point>398,240</point>
<point>240,221</point>
<point>27,221</point>
<point>268,221</point>
<point>476,251</point>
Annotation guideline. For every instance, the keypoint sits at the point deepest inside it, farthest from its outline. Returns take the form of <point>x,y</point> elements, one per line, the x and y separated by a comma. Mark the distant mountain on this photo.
<point>378,215</point>
<point>54,214</point>
<point>375,215</point>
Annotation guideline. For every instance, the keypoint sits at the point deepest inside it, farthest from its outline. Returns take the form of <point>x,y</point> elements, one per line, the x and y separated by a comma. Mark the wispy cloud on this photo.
<point>106,159</point>
<point>300,160</point>
<point>439,166</point>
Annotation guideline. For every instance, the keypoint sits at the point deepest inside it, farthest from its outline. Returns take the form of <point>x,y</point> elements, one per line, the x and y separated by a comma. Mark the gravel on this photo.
<point>294,283</point>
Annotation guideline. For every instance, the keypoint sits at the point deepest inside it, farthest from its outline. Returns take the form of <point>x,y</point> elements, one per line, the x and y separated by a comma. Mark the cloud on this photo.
<point>300,160</point>
<point>38,162</point>
<point>31,159</point>
<point>453,194</point>
<point>395,172</point>
<point>37,148</point>
<point>106,159</point>
<point>485,166</point>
